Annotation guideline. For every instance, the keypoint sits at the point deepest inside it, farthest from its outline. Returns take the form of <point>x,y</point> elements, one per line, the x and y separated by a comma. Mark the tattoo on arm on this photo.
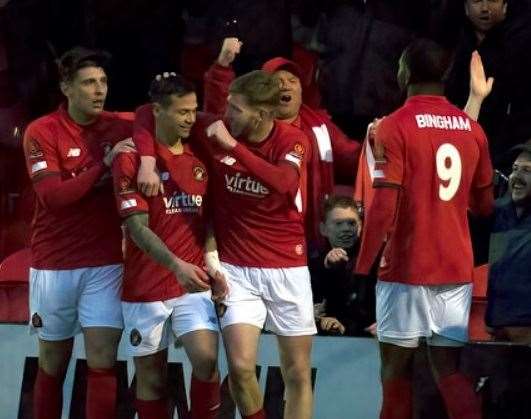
<point>149,242</point>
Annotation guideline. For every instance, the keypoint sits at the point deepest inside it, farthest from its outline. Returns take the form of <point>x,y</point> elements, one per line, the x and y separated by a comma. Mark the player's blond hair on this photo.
<point>258,87</point>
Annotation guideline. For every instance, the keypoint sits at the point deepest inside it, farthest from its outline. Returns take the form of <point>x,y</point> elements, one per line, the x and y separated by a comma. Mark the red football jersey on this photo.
<point>177,217</point>
<point>436,156</point>
<point>86,233</point>
<point>255,225</point>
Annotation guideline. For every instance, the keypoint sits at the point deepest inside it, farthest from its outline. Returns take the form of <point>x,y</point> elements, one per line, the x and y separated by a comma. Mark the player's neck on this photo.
<point>431,89</point>
<point>261,132</point>
<point>79,117</point>
<point>172,143</point>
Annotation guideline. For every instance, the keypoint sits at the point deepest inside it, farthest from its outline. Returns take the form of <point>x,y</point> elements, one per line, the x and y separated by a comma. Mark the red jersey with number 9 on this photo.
<point>437,157</point>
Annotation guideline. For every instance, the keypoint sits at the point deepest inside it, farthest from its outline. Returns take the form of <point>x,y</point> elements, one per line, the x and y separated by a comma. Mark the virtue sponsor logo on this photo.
<point>443,122</point>
<point>245,185</point>
<point>182,202</point>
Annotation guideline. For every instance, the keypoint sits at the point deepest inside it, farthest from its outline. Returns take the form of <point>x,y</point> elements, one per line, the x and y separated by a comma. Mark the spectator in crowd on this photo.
<point>347,300</point>
<point>509,292</point>
<point>502,40</point>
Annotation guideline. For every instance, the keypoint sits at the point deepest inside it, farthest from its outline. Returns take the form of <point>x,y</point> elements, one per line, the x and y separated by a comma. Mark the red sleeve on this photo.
<point>42,162</point>
<point>128,199</point>
<point>388,155</point>
<point>143,129</point>
<point>216,86</point>
<point>346,154</point>
<point>376,225</point>
<point>40,152</point>
<point>282,177</point>
<point>482,196</point>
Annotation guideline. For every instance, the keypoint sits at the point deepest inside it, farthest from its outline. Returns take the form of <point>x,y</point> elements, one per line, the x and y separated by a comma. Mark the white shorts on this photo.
<point>151,327</point>
<point>279,299</point>
<point>405,313</point>
<point>64,301</point>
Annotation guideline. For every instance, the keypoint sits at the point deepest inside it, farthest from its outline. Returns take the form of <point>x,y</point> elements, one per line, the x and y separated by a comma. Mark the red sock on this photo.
<point>47,396</point>
<point>205,399</point>
<point>461,401</point>
<point>397,399</point>
<point>152,409</point>
<point>258,415</point>
<point>101,394</point>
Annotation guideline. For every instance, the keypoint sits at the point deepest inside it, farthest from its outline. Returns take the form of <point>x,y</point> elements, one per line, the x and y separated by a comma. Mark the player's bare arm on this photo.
<point>191,277</point>
<point>218,281</point>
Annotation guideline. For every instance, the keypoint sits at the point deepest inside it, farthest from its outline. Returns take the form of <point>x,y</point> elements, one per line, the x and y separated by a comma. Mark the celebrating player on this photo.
<point>431,165</point>
<point>165,288</point>
<point>76,236</point>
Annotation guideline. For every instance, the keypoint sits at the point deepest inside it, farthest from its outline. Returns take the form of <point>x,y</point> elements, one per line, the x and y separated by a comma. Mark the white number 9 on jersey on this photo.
<point>449,170</point>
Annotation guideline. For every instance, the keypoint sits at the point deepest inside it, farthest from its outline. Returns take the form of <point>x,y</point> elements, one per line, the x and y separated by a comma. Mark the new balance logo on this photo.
<point>74,152</point>
<point>245,186</point>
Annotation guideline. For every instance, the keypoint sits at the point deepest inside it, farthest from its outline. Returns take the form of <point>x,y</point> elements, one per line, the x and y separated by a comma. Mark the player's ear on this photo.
<point>504,9</point>
<point>65,87</point>
<point>157,109</point>
<point>323,230</point>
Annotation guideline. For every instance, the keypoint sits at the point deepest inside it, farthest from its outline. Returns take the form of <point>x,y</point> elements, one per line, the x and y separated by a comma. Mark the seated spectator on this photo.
<point>345,301</point>
<point>509,293</point>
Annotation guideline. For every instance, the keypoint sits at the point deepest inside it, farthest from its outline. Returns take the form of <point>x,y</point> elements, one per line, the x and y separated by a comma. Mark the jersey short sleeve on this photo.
<point>293,149</point>
<point>128,199</point>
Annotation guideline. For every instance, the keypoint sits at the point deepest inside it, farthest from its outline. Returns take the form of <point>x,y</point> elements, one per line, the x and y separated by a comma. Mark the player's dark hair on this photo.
<point>427,61</point>
<point>80,57</point>
<point>337,201</point>
<point>166,85</point>
<point>258,87</point>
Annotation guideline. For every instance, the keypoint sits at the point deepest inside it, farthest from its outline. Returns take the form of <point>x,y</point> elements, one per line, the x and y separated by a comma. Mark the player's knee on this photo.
<point>297,375</point>
<point>207,367</point>
<point>151,384</point>
<point>102,356</point>
<point>242,372</point>
<point>54,360</point>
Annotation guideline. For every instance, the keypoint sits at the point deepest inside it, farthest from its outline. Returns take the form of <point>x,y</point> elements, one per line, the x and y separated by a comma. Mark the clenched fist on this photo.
<point>218,131</point>
<point>229,51</point>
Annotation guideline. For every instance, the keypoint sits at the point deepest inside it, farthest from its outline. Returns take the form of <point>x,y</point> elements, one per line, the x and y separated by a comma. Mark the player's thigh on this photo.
<point>396,361</point>
<point>295,358</point>
<point>53,301</point>
<point>444,360</point>
<point>289,301</point>
<point>241,347</point>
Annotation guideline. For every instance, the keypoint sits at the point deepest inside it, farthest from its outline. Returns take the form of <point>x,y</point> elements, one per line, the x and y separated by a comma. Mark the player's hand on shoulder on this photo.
<point>335,256</point>
<point>221,135</point>
<point>229,50</point>
<point>148,179</point>
<point>192,277</point>
<point>331,325</point>
<point>124,146</point>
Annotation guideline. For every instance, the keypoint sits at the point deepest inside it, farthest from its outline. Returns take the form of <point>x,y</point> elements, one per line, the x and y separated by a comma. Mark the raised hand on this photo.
<point>229,50</point>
